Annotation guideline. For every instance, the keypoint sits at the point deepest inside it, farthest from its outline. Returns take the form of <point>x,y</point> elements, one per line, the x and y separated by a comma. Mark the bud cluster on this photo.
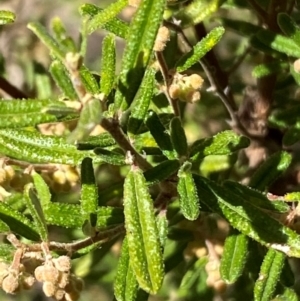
<point>186,88</point>
<point>55,274</point>
<point>13,280</point>
<point>62,179</point>
<point>58,282</point>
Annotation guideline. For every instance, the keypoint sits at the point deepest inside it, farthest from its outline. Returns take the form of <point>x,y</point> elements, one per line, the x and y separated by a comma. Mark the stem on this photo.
<point>11,90</point>
<point>261,13</point>
<point>113,127</point>
<point>165,74</point>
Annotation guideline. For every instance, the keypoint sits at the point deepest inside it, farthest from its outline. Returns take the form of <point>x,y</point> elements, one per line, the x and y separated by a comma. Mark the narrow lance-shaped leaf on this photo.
<point>178,137</point>
<point>289,27</point>
<point>270,170</point>
<point>248,219</point>
<point>292,135</point>
<point>140,106</point>
<point>44,36</point>
<point>102,140</point>
<point>200,49</point>
<point>188,198</point>
<point>89,80</point>
<point>108,64</point>
<point>6,17</point>
<point>90,116</point>
<point>38,148</point>
<point>267,69</point>
<point>161,172</point>
<point>269,275</point>
<point>36,211</point>
<point>287,294</point>
<point>19,113</point>
<point>256,198</point>
<point>42,189</point>
<point>142,233</point>
<point>89,195</point>
<point>65,215</point>
<point>234,256</point>
<point>279,42</point>
<point>62,79</point>
<point>125,284</point>
<point>17,222</point>
<point>60,35</point>
<point>105,15</point>
<point>110,157</point>
<point>196,11</point>
<point>114,25</point>
<point>162,138</point>
<point>138,50</point>
<point>224,143</point>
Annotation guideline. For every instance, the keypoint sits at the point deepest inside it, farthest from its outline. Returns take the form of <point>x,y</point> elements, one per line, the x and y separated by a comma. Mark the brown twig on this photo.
<point>99,237</point>
<point>165,74</point>
<point>11,90</point>
<point>113,127</point>
<point>261,13</point>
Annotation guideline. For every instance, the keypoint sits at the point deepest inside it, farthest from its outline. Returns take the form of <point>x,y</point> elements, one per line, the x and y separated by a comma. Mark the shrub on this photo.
<point>130,163</point>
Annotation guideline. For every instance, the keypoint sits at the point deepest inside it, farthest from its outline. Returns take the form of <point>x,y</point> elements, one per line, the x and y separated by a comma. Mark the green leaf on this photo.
<point>288,294</point>
<point>188,198</point>
<point>234,256</point>
<point>36,211</point>
<point>289,27</point>
<point>60,35</point>
<point>90,116</point>
<point>269,275</point>
<point>6,252</point>
<point>62,79</point>
<point>200,49</point>
<point>125,284</point>
<point>161,171</point>
<point>109,216</point>
<point>104,16</point>
<point>140,106</point>
<point>142,232</point>
<point>248,219</point>
<point>178,137</point>
<point>110,157</point>
<point>292,135</point>
<point>42,189</point>
<point>40,31</point>
<point>138,50</point>
<point>18,113</point>
<point>286,117</point>
<point>108,64</point>
<point>268,69</point>
<point>102,140</point>
<point>256,198</point>
<point>6,17</point>
<point>89,193</point>
<point>162,138</point>
<point>196,11</point>
<point>17,222</point>
<point>89,81</point>
<point>37,148</point>
<point>244,28</point>
<point>114,25</point>
<point>270,170</point>
<point>279,43</point>
<point>65,215</point>
<point>224,143</point>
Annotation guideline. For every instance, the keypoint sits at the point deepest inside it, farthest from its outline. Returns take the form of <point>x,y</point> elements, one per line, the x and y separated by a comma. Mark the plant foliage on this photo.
<point>161,157</point>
